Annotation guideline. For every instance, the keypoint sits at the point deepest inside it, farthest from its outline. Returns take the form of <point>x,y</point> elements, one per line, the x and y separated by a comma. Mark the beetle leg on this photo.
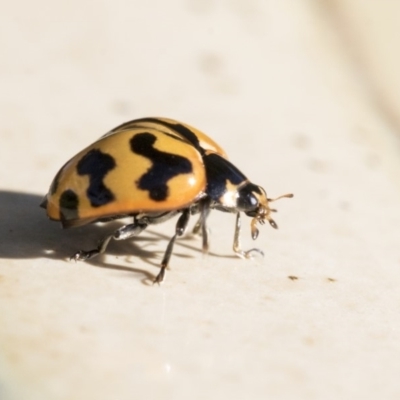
<point>197,227</point>
<point>125,232</point>
<point>205,211</point>
<point>236,242</point>
<point>201,224</point>
<point>180,228</point>
<point>83,255</point>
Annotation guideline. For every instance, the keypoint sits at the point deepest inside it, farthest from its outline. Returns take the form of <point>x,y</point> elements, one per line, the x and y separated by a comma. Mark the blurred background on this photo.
<point>304,97</point>
<point>76,70</point>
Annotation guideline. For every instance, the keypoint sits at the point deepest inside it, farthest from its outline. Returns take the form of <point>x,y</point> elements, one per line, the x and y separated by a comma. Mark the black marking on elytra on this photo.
<point>164,166</point>
<point>97,165</point>
<point>69,203</point>
<point>181,139</point>
<point>187,134</point>
<point>218,171</point>
<point>177,127</point>
<point>56,180</point>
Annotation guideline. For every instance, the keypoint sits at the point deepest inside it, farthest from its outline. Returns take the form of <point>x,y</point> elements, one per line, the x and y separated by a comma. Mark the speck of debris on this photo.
<point>331,279</point>
<point>293,278</point>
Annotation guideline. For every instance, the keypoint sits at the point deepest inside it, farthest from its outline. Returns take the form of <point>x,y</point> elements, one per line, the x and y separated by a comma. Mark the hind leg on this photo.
<point>123,233</point>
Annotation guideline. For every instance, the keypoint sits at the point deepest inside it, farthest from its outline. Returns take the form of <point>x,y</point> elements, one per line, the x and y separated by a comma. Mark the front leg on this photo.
<point>236,242</point>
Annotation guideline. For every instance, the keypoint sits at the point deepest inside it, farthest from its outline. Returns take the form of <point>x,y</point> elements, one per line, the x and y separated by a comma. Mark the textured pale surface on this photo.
<point>303,98</point>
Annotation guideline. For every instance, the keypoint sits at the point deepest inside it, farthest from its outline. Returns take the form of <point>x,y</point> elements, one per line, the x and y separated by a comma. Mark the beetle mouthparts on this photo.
<point>263,214</point>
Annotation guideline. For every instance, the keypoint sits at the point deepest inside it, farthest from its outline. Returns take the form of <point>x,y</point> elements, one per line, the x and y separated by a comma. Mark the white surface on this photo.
<point>276,85</point>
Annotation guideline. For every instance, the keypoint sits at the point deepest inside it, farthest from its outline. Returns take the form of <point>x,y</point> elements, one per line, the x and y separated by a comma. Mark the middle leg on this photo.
<point>201,224</point>
<point>180,229</point>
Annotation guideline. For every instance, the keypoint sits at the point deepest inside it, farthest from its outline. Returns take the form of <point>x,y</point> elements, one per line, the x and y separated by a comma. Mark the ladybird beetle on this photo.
<point>153,169</point>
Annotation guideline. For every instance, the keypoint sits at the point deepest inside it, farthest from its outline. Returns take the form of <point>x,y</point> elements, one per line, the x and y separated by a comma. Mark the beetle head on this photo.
<point>253,201</point>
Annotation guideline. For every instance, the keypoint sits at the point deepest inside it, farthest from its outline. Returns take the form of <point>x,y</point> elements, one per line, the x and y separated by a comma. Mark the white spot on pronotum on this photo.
<point>229,198</point>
